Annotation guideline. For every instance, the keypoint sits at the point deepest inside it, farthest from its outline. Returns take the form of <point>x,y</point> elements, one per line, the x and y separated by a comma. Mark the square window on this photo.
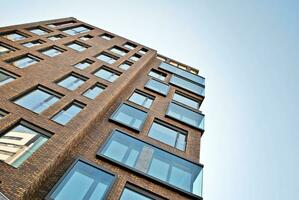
<point>6,77</point>
<point>39,31</point>
<point>38,99</point>
<point>32,43</point>
<point>52,51</point>
<point>4,49</point>
<point>77,46</point>
<point>94,91</point>
<point>135,57</point>
<point>107,74</point>
<point>126,65</point>
<point>143,51</point>
<point>142,99</point>
<point>107,58</point>
<point>20,142</point>
<point>157,74</point>
<point>157,86</point>
<point>83,64</point>
<point>86,37</point>
<point>130,45</point>
<point>24,61</point>
<point>14,36</point>
<point>72,81</point>
<point>77,30</point>
<point>68,113</point>
<point>119,51</point>
<point>186,100</point>
<point>55,37</point>
<point>129,116</point>
<point>106,36</point>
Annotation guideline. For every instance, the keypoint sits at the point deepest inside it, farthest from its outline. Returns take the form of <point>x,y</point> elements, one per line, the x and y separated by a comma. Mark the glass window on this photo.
<point>94,91</point>
<point>135,57</point>
<point>157,86</point>
<point>119,51</point>
<point>161,58</point>
<point>68,113</point>
<point>52,52</point>
<point>19,143</point>
<point>4,49</point>
<point>185,115</point>
<point>39,31</point>
<point>5,77</point>
<point>125,66</point>
<point>14,36</point>
<point>168,134</point>
<point>82,181</point>
<point>153,162</point>
<point>76,30</point>
<point>83,64</point>
<point>32,43</point>
<point>188,101</point>
<point>76,46</point>
<point>187,85</point>
<point>142,99</point>
<point>195,78</point>
<point>107,58</point>
<point>158,75</point>
<point>86,37</point>
<point>37,100</point>
<point>106,36</point>
<point>24,61</point>
<point>132,192</point>
<point>129,116</point>
<point>72,82</point>
<point>143,51</point>
<point>107,74</point>
<point>60,24</point>
<point>129,45</point>
<point>55,37</point>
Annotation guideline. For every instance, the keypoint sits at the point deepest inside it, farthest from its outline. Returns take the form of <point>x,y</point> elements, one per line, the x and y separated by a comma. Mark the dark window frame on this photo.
<point>107,35</point>
<point>120,49</point>
<point>158,72</point>
<point>199,101</point>
<point>130,44</point>
<point>79,76</point>
<point>152,97</point>
<point>103,86</point>
<point>148,88</point>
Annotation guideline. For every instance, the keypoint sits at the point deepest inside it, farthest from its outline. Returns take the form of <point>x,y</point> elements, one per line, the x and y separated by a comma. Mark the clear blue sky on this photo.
<point>249,53</point>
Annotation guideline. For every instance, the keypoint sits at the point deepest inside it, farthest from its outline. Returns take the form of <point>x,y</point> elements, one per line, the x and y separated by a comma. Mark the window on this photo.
<point>185,115</point>
<point>32,43</point>
<point>186,100</point>
<point>153,162</point>
<point>4,49</point>
<point>76,30</point>
<point>129,45</point>
<point>131,192</point>
<point>55,37</point>
<point>14,36</point>
<point>187,85</point>
<point>161,58</point>
<point>157,86</point>
<point>94,91</point>
<point>107,58</point>
<point>68,113</point>
<point>126,65</point>
<point>2,114</point>
<point>86,37</point>
<point>135,57</point>
<point>106,36</point>
<point>20,142</point>
<point>24,61</point>
<point>129,116</point>
<point>142,99</point>
<point>158,75</point>
<point>168,134</point>
<point>39,31</point>
<point>82,181</point>
<point>143,51</point>
<point>6,77</point>
<point>119,51</point>
<point>60,24</point>
<point>107,74</point>
<point>83,64</point>
<point>187,75</point>
<point>77,46</point>
<point>72,81</point>
<point>38,99</point>
<point>52,51</point>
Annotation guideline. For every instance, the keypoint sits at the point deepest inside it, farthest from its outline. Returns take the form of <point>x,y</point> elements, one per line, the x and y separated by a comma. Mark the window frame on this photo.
<point>81,44</point>
<point>100,85</point>
<point>126,62</point>
<point>10,48</point>
<point>85,60</point>
<point>40,28</point>
<point>56,35</point>
<point>128,43</point>
<point>157,72</point>
<point>148,96</point>
<point>125,51</point>
<point>25,36</point>
<point>61,50</point>
<point>107,69</point>
<point>8,73</point>
<point>116,58</point>
<point>107,35</point>
<point>79,76</point>
<point>141,191</point>
<point>28,55</point>
<point>188,97</point>
<point>76,26</point>
<point>154,79</point>
<point>38,40</point>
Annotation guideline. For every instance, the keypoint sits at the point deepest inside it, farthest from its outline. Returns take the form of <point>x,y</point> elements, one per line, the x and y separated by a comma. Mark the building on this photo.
<point>87,114</point>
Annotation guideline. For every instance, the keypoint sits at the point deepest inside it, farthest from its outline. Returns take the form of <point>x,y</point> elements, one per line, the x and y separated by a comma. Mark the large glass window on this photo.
<point>157,86</point>
<point>158,75</point>
<point>5,77</point>
<point>4,49</point>
<point>186,100</point>
<point>185,115</point>
<point>83,181</point>
<point>119,51</point>
<point>107,74</point>
<point>107,58</point>
<point>76,30</point>
<point>94,91</point>
<point>130,116</point>
<point>32,43</point>
<point>142,99</point>
<point>39,31</point>
<point>77,46</point>
<point>72,81</point>
<point>187,85</point>
<point>24,61</point>
<point>168,134</point>
<point>52,52</point>
<point>68,113</point>
<point>153,162</point>
<point>19,143</point>
<point>38,99</point>
<point>83,64</point>
<point>14,36</point>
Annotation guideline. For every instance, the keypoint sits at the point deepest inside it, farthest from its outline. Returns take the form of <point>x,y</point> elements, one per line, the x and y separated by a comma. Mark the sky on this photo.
<point>249,53</point>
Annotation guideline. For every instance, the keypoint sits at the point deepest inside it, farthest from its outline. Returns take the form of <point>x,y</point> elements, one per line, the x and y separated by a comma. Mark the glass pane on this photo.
<point>105,58</point>
<point>32,44</point>
<point>125,66</point>
<point>5,78</point>
<point>141,100</point>
<point>157,86</point>
<point>38,31</point>
<point>71,82</point>
<point>24,62</point>
<point>14,37</point>
<point>163,134</point>
<point>185,84</point>
<point>52,52</point>
<point>181,178</point>
<point>106,75</point>
<point>132,195</point>
<point>116,150</point>
<point>185,100</point>
<point>66,115</point>
<point>93,92</point>
<point>82,65</point>
<point>159,169</point>
<point>157,75</point>
<point>4,50</point>
<point>77,47</point>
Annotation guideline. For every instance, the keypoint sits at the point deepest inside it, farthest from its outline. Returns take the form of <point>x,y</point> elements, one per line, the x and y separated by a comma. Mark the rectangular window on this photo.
<point>86,37</point>
<point>135,57</point>
<point>4,49</point>
<point>131,192</point>
<point>77,46</point>
<point>142,99</point>
<point>83,64</point>
<point>119,51</point>
<point>94,91</point>
<point>129,116</point>
<point>106,36</point>
<point>14,36</point>
<point>38,99</point>
<point>32,43</point>
<point>52,51</point>
<point>105,57</point>
<point>143,51</point>
<point>6,77</point>
<point>82,181</point>
<point>20,142</point>
<point>154,163</point>
<point>55,37</point>
<point>107,74</point>
<point>186,100</point>
<point>24,61</point>
<point>76,30</point>
<point>130,45</point>
<point>72,81</point>
<point>185,115</point>
<point>187,85</point>
<point>125,66</point>
<point>2,114</point>
<point>168,134</point>
<point>68,113</point>
<point>158,75</point>
<point>161,58</point>
<point>39,31</point>
<point>60,24</point>
<point>157,86</point>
